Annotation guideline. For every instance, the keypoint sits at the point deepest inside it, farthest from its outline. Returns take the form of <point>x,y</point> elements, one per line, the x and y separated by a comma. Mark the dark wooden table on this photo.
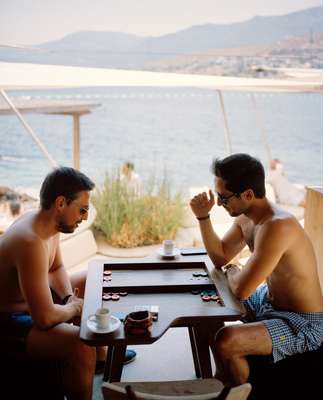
<point>167,284</point>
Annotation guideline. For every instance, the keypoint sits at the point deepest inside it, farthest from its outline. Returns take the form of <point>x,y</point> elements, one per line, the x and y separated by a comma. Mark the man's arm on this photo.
<point>59,280</point>
<point>220,251</point>
<point>271,243</point>
<point>32,263</point>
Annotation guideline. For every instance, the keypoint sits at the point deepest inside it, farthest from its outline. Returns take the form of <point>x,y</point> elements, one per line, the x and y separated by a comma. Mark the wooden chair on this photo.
<point>200,389</point>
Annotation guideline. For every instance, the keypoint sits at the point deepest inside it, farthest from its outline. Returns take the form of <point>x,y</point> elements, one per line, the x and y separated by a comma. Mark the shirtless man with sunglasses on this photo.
<point>279,284</point>
<point>37,297</point>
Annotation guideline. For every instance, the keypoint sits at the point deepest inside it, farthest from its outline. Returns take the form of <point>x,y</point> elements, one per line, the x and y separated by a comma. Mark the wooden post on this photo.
<point>76,141</point>
<point>313,224</point>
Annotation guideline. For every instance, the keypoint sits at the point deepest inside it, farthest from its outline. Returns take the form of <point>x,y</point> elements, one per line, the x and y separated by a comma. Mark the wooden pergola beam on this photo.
<point>55,107</point>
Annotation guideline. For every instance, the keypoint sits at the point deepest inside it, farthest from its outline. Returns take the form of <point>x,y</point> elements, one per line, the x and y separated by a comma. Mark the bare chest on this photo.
<point>50,248</point>
<point>249,231</point>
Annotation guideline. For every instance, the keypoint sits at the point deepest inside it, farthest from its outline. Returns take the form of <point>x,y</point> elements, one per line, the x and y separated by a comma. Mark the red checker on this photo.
<point>206,298</point>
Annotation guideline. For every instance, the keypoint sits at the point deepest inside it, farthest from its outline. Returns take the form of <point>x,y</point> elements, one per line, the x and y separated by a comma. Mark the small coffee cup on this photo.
<point>101,318</point>
<point>168,247</point>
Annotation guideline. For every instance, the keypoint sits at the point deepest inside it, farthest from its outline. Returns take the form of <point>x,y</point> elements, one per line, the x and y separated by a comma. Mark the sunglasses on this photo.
<point>83,210</point>
<point>225,199</point>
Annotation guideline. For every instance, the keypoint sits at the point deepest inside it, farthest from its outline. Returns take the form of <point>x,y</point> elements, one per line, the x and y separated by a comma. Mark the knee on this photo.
<point>83,355</point>
<point>226,341</point>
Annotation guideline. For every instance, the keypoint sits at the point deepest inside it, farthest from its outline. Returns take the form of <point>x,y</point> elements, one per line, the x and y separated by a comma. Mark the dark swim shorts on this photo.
<point>14,329</point>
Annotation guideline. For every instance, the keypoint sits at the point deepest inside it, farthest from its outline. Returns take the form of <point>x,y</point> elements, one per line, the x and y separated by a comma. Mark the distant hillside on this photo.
<point>120,50</point>
<point>297,51</point>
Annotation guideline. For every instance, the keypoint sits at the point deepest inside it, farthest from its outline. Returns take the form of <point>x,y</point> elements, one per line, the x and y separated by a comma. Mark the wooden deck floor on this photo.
<point>169,358</point>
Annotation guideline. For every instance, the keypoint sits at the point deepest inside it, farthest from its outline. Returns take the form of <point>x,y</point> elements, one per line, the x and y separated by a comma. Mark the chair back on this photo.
<point>125,391</point>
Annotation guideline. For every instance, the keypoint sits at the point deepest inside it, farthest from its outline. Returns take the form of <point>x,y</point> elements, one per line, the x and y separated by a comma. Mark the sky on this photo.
<point>29,22</point>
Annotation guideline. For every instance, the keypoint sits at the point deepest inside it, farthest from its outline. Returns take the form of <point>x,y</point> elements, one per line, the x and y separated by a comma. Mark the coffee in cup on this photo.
<point>101,318</point>
<point>168,247</point>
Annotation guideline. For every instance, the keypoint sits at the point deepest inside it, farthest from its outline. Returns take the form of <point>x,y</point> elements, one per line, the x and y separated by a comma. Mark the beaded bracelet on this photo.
<point>202,218</point>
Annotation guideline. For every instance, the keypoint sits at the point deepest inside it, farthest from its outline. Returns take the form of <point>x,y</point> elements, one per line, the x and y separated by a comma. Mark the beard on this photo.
<point>234,213</point>
<point>64,228</point>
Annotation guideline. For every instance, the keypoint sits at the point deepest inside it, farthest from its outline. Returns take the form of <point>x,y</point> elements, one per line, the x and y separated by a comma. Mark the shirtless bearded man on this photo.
<point>279,284</point>
<point>31,270</point>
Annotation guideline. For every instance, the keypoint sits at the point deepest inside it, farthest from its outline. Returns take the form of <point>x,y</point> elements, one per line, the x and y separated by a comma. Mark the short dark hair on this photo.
<point>130,165</point>
<point>241,172</point>
<point>14,203</point>
<point>63,181</point>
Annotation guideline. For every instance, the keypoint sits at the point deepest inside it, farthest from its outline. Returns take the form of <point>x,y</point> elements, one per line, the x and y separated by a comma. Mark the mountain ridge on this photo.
<point>123,50</point>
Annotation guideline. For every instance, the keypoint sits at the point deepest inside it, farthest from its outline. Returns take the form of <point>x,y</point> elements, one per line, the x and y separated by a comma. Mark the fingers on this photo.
<point>79,305</point>
<point>211,194</point>
<point>199,198</point>
<point>202,199</point>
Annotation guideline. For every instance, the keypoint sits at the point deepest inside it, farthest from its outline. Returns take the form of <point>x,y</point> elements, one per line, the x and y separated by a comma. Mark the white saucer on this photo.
<point>161,253</point>
<point>113,325</point>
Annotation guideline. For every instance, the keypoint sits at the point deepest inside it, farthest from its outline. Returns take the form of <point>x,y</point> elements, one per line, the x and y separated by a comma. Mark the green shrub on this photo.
<point>128,220</point>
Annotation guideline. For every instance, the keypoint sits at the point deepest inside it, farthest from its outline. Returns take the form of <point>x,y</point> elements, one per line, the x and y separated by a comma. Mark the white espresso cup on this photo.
<point>101,318</point>
<point>168,247</point>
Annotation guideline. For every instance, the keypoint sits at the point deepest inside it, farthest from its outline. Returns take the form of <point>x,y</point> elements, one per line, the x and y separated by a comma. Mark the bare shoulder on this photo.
<point>281,224</point>
<point>21,235</point>
<point>241,219</point>
<point>29,253</point>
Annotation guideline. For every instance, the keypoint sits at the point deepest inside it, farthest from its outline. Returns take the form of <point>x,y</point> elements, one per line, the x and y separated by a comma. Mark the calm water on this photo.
<point>178,131</point>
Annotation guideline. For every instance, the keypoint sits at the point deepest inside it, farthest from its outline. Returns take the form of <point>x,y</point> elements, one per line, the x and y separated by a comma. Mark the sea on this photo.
<point>173,132</point>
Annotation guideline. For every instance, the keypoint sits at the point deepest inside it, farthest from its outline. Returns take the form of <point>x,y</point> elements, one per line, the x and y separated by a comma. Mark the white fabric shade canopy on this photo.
<point>14,76</point>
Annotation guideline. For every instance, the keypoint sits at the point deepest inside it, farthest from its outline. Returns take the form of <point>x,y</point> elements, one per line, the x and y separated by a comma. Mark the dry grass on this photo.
<point>127,220</point>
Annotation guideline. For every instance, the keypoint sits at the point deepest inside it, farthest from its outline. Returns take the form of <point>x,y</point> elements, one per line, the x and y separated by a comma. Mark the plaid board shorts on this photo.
<point>290,332</point>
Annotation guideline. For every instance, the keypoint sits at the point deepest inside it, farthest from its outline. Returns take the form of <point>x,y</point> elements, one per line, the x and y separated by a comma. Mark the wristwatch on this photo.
<point>66,298</point>
<point>226,268</point>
